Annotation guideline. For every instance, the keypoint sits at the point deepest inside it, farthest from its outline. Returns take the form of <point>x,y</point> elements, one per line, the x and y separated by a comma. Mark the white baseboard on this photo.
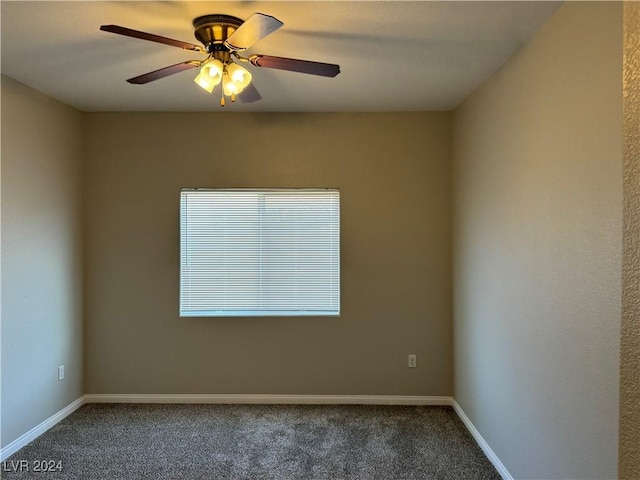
<point>493,458</point>
<point>270,399</point>
<point>38,430</point>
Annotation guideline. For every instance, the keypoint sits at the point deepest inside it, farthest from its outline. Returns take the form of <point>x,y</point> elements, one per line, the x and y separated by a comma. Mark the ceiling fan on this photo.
<point>223,38</point>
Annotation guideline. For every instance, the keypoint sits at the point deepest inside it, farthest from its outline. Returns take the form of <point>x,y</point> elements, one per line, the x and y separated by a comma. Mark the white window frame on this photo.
<point>265,252</point>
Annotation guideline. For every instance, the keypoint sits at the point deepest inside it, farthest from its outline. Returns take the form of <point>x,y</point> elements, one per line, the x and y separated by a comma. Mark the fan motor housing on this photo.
<point>213,30</point>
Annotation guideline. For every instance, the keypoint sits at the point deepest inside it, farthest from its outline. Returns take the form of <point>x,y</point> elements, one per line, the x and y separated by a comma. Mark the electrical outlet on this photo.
<point>412,361</point>
<point>61,372</point>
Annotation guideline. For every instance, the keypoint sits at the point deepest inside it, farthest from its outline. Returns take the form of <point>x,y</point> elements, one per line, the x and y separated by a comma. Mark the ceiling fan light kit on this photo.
<point>223,37</point>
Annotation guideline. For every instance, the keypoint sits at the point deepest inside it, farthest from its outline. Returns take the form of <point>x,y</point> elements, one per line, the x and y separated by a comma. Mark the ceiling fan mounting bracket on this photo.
<point>213,30</point>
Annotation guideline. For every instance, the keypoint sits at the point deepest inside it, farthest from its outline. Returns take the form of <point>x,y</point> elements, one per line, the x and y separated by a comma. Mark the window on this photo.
<point>259,252</point>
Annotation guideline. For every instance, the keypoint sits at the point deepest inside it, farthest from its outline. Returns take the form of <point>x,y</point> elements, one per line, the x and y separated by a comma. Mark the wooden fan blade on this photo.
<point>250,94</point>
<point>254,28</point>
<point>151,37</point>
<point>164,72</point>
<point>294,65</point>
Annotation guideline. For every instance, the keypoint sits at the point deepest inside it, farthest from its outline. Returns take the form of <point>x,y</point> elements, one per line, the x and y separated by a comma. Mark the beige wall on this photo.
<point>630,346</point>
<point>41,258</point>
<point>537,249</point>
<point>394,174</point>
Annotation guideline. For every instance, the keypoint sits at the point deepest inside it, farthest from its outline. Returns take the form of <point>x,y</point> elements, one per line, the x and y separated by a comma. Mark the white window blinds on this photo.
<point>259,252</point>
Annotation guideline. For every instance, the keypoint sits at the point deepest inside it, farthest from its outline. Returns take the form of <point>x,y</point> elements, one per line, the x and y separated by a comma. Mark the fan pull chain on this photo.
<point>233,97</point>
<point>221,98</point>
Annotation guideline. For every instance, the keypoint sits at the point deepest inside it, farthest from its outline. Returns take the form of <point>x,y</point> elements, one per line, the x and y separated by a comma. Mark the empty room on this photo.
<point>320,240</point>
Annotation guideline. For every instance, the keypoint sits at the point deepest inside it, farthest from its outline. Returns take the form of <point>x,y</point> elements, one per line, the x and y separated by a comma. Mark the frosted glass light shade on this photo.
<point>210,75</point>
<point>228,87</point>
<point>239,76</point>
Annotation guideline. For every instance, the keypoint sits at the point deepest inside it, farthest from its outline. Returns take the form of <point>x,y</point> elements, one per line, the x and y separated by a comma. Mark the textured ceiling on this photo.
<point>394,55</point>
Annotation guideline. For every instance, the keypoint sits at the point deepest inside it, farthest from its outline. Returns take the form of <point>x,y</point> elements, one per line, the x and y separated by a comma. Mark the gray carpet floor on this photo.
<point>155,441</point>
